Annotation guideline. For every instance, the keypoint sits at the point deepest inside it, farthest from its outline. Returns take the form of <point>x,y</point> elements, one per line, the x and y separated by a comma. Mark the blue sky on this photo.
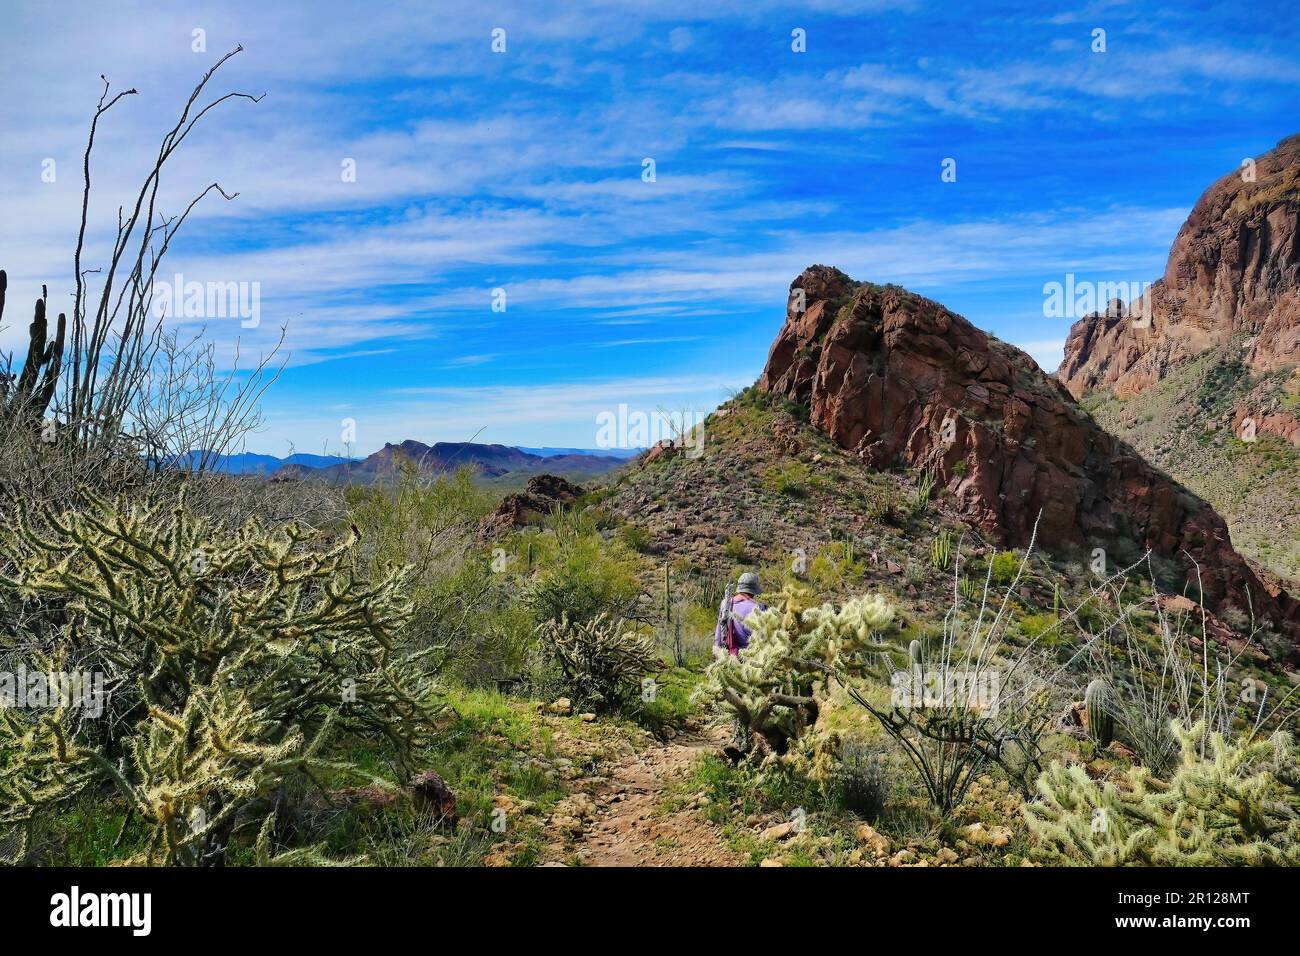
<point>522,171</point>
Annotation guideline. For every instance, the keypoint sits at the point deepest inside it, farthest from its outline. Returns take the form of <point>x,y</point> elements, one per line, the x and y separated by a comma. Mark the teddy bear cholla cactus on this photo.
<point>602,660</point>
<point>794,648</point>
<point>1231,803</point>
<point>231,655</point>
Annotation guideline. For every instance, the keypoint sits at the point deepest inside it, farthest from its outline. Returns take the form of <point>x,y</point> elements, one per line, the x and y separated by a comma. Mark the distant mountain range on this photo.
<point>250,463</point>
<point>489,461</point>
<point>595,452</point>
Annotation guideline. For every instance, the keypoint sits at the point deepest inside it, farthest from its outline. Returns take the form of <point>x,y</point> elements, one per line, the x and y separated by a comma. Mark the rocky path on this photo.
<point>628,826</point>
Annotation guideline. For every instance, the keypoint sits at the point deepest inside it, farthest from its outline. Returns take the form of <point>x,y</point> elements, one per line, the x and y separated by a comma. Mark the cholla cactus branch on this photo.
<point>794,649</point>
<point>236,654</point>
<point>1226,803</point>
<point>602,660</point>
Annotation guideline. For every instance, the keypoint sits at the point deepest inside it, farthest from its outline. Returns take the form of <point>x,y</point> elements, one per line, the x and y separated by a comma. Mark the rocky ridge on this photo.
<point>898,379</point>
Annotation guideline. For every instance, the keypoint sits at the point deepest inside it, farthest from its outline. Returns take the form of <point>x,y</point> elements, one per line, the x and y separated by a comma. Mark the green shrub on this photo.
<point>736,549</point>
<point>836,567</point>
<point>864,782</point>
<point>1005,567</point>
<point>1042,629</point>
<point>429,527</point>
<point>882,504</point>
<point>581,576</point>
<point>635,537</point>
<point>788,478</point>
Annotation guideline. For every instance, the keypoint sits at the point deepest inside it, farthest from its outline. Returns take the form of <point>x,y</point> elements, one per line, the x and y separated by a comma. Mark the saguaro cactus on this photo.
<point>1100,712</point>
<point>916,654</point>
<point>32,391</point>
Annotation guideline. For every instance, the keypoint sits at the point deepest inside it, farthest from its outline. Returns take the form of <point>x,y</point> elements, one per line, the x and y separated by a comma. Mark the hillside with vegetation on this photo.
<point>549,696</point>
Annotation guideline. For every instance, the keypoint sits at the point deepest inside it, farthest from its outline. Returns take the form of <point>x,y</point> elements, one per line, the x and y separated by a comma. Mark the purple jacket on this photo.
<point>741,607</point>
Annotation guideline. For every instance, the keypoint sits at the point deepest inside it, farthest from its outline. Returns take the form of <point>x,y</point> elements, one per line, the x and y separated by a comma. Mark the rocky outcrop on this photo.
<point>433,794</point>
<point>900,380</point>
<point>540,496</point>
<point>1233,274</point>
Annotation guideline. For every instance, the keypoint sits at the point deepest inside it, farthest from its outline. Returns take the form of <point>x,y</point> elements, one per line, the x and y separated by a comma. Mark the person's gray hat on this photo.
<point>748,583</point>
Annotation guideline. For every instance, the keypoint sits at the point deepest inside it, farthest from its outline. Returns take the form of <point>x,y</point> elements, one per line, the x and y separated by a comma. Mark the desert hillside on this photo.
<point>1207,386</point>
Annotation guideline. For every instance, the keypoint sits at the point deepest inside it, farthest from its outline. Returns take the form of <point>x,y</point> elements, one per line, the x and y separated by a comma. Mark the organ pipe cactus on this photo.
<point>941,550</point>
<point>32,390</point>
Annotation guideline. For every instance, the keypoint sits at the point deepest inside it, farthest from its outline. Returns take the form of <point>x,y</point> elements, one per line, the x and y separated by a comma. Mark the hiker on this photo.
<point>731,634</point>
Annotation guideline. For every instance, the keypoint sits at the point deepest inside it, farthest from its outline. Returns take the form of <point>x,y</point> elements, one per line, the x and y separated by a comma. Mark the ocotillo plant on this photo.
<point>672,623</point>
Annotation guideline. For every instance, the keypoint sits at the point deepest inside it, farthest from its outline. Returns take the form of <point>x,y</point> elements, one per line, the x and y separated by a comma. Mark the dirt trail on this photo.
<point>628,827</point>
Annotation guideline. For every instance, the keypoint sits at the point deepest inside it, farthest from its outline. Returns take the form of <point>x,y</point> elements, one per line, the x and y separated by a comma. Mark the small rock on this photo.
<point>947,855</point>
<point>577,805</point>
<point>902,858</point>
<point>778,832</point>
<point>570,825</point>
<point>587,718</point>
<point>1119,750</point>
<point>771,861</point>
<point>562,707</point>
<point>876,842</point>
<point>995,836</point>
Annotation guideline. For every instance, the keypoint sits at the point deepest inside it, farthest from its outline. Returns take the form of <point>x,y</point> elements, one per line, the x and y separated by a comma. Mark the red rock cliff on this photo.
<point>1234,270</point>
<point>900,379</point>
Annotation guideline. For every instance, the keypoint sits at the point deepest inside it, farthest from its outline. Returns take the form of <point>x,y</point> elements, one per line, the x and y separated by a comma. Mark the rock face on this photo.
<point>899,379</point>
<point>540,495</point>
<point>1233,271</point>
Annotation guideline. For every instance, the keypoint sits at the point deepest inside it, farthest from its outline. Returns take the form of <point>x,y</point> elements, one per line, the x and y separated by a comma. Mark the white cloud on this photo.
<point>1048,353</point>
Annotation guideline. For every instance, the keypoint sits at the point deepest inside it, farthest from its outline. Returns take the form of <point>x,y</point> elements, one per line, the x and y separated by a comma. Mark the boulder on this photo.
<point>432,792</point>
